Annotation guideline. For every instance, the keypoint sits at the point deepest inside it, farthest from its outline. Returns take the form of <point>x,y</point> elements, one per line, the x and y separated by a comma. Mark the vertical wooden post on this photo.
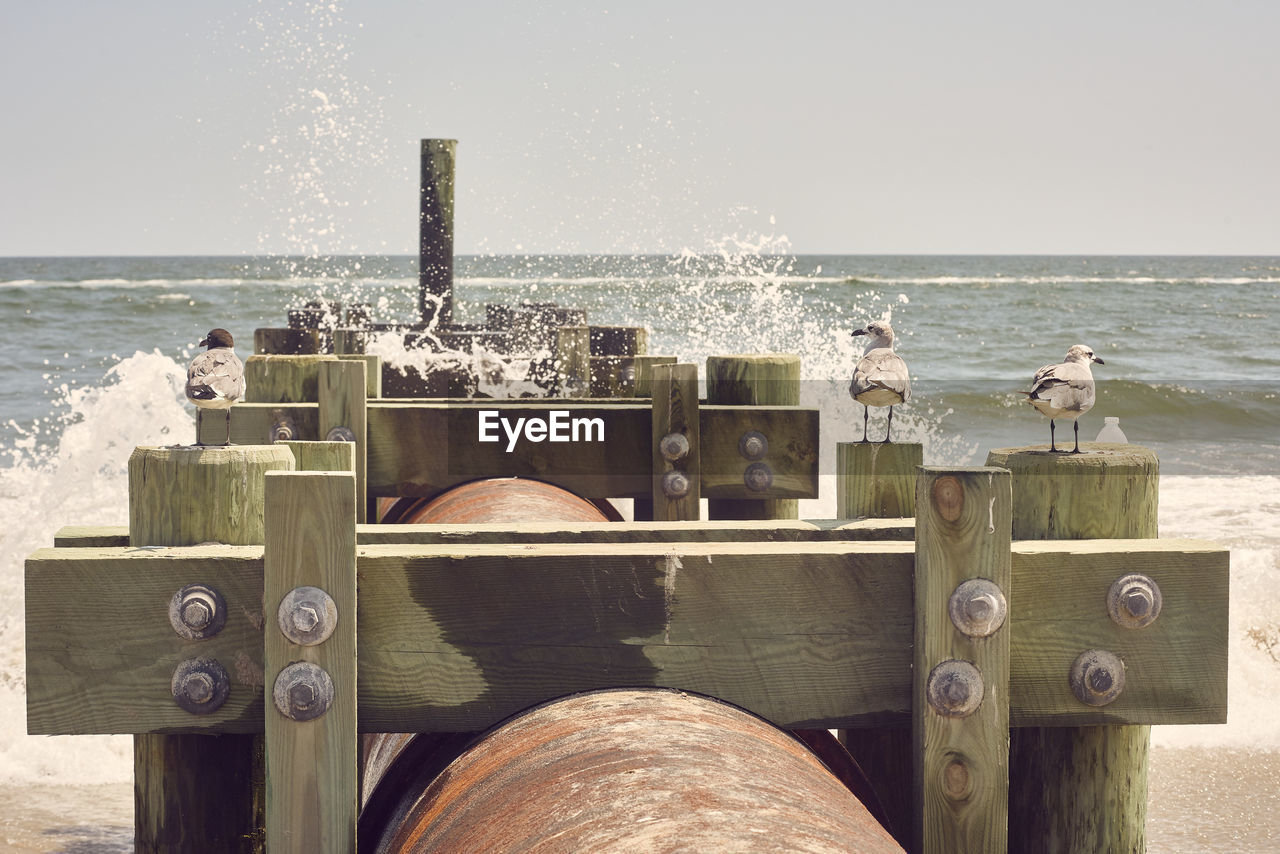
<point>199,792</point>
<point>676,459</point>
<point>309,659</point>
<point>876,481</point>
<point>435,231</point>
<point>342,405</point>
<point>644,373</point>
<point>1080,789</point>
<point>768,379</point>
<point>879,482</point>
<point>322,456</point>
<point>573,360</point>
<point>372,375</point>
<point>960,689</point>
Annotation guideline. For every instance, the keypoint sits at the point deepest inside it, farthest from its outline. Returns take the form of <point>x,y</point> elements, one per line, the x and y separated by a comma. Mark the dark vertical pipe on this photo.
<point>435,231</point>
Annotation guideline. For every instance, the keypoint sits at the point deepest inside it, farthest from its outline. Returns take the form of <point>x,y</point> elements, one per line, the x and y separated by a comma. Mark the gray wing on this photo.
<point>220,371</point>
<point>884,369</point>
<point>1067,386</point>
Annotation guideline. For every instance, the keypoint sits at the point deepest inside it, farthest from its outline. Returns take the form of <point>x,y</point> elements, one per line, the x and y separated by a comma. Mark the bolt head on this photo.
<point>198,687</point>
<point>982,607</point>
<point>302,694</point>
<point>197,614</point>
<point>675,484</point>
<point>1137,601</point>
<point>305,618</point>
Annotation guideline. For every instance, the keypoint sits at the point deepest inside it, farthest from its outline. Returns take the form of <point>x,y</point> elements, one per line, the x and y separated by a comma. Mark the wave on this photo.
<point>999,279</point>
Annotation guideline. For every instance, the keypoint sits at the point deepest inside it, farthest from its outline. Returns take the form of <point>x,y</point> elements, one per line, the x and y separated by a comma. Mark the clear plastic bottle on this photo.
<point>1111,432</point>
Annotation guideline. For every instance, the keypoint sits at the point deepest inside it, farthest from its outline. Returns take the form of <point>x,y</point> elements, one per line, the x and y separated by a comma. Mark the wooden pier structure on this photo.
<point>254,619</point>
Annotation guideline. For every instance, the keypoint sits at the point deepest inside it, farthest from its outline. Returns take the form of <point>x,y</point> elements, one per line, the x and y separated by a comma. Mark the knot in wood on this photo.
<point>957,780</point>
<point>947,495</point>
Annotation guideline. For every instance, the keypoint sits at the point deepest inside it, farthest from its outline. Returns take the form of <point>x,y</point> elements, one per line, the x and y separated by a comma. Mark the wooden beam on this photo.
<point>960,689</point>
<point>283,379</point>
<point>877,480</point>
<point>342,414</point>
<point>446,610</point>
<point>675,444</point>
<point>323,456</point>
<point>309,654</point>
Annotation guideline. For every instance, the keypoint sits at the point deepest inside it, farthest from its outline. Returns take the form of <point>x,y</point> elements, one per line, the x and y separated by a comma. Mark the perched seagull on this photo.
<point>880,378</point>
<point>215,378</point>
<point>1065,390</point>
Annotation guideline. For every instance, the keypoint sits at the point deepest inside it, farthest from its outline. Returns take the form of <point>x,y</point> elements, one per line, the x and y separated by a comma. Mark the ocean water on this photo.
<point>92,354</point>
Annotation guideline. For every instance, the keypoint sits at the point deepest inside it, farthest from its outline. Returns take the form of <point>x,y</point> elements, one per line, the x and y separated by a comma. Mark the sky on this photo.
<point>242,127</point>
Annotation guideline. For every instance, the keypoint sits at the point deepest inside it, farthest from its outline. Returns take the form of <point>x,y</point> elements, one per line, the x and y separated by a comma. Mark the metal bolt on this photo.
<point>978,607</point>
<point>753,445</point>
<point>675,484</point>
<point>200,685</point>
<point>302,691</point>
<point>197,611</point>
<point>1097,677</point>
<point>674,446</point>
<point>955,688</point>
<point>1134,601</point>
<point>282,427</point>
<point>340,434</point>
<point>307,616</point>
<point>758,477</point>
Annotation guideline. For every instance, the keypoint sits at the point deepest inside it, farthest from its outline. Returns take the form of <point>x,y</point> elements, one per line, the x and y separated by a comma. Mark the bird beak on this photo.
<point>203,343</point>
<point>1098,360</point>
<point>858,332</point>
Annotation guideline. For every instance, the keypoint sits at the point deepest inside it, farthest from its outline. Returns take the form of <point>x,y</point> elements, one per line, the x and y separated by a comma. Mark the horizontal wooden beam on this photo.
<point>420,449</point>
<point>715,531</point>
<point>455,637</point>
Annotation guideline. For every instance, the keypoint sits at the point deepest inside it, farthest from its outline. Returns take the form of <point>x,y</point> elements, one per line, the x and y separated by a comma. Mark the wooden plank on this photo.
<point>283,379</point>
<point>876,479</point>
<point>75,683</point>
<point>573,359</point>
<point>91,536</point>
<point>322,456</point>
<point>644,372</point>
<point>343,404</point>
<point>312,764</point>
<point>373,373</point>
<point>402,462</point>
<point>292,342</point>
<point>675,444</point>
<point>960,689</point>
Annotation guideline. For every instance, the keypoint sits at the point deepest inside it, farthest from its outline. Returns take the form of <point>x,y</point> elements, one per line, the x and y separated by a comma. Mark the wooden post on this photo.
<point>342,391</point>
<point>644,373</point>
<point>676,459</point>
<point>573,360</point>
<point>198,792</point>
<point>770,379</point>
<point>323,456</point>
<point>309,659</point>
<point>283,379</point>
<point>1080,789</point>
<point>876,481</point>
<point>960,685</point>
<point>435,232</point>
<point>879,482</point>
<point>372,374</point>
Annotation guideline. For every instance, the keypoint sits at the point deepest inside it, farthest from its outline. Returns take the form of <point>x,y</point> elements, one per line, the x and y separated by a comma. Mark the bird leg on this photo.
<point>1053,449</point>
<point>1077,426</point>
<point>228,442</point>
<point>866,413</point>
<point>888,427</point>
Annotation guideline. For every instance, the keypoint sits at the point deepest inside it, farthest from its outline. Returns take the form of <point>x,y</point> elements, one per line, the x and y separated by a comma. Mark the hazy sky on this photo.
<point>237,127</point>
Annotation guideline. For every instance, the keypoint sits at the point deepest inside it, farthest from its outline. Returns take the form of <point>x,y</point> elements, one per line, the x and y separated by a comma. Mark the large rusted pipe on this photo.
<point>499,499</point>
<point>636,770</point>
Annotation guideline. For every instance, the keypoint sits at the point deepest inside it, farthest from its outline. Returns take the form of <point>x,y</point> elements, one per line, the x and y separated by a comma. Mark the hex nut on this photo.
<point>307,616</point>
<point>758,477</point>
<point>978,607</point>
<point>1134,601</point>
<point>1097,677</point>
<point>302,691</point>
<point>675,484</point>
<point>955,688</point>
<point>197,611</point>
<point>674,446</point>
<point>200,685</point>
<point>753,445</point>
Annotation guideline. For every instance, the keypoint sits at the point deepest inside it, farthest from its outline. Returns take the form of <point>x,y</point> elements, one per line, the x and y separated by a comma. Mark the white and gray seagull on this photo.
<point>1065,390</point>
<point>215,378</point>
<point>880,377</point>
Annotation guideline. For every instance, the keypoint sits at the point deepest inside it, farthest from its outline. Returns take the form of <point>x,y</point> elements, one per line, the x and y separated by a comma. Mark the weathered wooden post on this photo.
<point>1080,789</point>
<point>762,379</point>
<point>197,792</point>
<point>309,661</point>
<point>435,232</point>
<point>676,456</point>
<point>343,416</point>
<point>960,685</point>
<point>878,481</point>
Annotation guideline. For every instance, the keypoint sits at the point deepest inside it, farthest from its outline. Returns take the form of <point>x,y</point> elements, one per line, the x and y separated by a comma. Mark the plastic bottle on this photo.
<point>1111,432</point>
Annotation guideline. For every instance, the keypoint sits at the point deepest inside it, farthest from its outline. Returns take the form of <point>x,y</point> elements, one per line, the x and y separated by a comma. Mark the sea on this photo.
<point>93,354</point>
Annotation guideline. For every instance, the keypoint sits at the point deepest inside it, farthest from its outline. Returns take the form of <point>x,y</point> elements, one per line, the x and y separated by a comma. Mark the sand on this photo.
<point>1201,800</point>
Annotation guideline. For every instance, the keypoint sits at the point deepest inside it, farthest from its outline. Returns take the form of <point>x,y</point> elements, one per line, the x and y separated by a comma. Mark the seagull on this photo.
<point>215,378</point>
<point>1065,391</point>
<point>880,378</point>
